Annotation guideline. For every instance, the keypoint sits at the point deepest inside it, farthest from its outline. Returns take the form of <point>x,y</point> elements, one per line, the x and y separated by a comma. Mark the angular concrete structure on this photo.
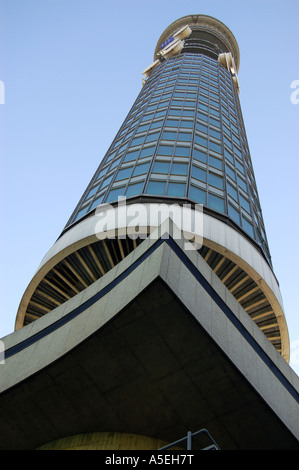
<point>156,347</point>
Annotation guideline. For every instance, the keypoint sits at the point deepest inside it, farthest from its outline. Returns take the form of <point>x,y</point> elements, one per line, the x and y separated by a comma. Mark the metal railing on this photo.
<point>188,440</point>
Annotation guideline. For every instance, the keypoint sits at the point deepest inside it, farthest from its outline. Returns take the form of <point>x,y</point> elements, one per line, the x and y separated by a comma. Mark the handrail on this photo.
<point>188,438</point>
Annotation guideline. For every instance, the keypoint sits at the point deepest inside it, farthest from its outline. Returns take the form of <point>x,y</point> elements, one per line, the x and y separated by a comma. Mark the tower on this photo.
<point>182,147</point>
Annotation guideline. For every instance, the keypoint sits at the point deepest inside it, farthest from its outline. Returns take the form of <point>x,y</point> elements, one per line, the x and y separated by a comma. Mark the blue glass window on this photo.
<point>202,128</point>
<point>188,124</point>
<point>147,152</point>
<point>239,166</point>
<point>234,214</point>
<point>156,187</point>
<point>202,116</point>
<point>141,169</point>
<point>176,189</point>
<point>114,164</point>
<point>161,167</point>
<point>216,203</point>
<point>131,156</point>
<point>199,174</point>
<point>123,174</point>
<point>215,162</point>
<point>156,124</point>
<point>179,169</point>
<point>247,227</point>
<point>201,140</point>
<point>197,195</point>
<point>81,213</point>
<point>115,193</point>
<point>174,112</point>
<point>165,150</point>
<point>96,202</point>
<point>147,117</point>
<point>215,180</point>
<point>188,113</point>
<point>137,141</point>
<point>152,137</point>
<point>245,204</point>
<point>230,172</point>
<point>92,192</point>
<point>215,134</point>
<point>169,135</point>
<point>172,123</point>
<point>184,136</point>
<point>232,191</point>
<point>198,155</point>
<point>182,151</point>
<point>242,183</point>
<point>228,155</point>
<point>106,181</point>
<point>134,189</point>
<point>215,147</point>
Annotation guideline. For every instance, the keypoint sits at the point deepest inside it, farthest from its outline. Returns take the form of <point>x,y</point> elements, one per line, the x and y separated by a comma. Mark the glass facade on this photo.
<point>184,138</point>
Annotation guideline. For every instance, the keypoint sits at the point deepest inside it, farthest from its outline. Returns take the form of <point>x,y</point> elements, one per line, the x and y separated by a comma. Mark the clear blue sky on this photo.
<point>72,69</point>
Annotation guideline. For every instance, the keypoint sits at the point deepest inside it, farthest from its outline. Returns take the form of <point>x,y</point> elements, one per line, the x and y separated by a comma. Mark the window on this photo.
<point>165,150</point>
<point>161,167</point>
<point>197,194</point>
<point>200,156</point>
<point>230,172</point>
<point>245,204</point>
<point>215,134</point>
<point>182,151</point>
<point>141,169</point>
<point>203,117</point>
<point>215,147</point>
<point>232,191</point>
<point>123,174</point>
<point>201,128</point>
<point>147,152</point>
<point>183,136</point>
<point>152,137</point>
<point>134,189</point>
<point>106,181</point>
<point>176,189</point>
<point>216,203</point>
<point>156,124</point>
<point>201,140</point>
<point>215,180</point>
<point>81,213</point>
<point>228,155</point>
<point>234,214</point>
<point>137,141</point>
<point>188,113</point>
<point>172,122</point>
<point>96,202</point>
<point>247,227</point>
<point>188,124</point>
<point>131,156</point>
<point>92,192</point>
<point>199,174</point>
<point>179,169</point>
<point>115,193</point>
<point>168,135</point>
<point>242,183</point>
<point>215,162</point>
<point>156,187</point>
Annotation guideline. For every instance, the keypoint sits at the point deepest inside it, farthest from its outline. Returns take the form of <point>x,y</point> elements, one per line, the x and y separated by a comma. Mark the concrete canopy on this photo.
<point>152,368</point>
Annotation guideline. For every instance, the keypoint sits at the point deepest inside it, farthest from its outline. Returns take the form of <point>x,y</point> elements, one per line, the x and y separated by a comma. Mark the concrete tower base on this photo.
<point>157,347</point>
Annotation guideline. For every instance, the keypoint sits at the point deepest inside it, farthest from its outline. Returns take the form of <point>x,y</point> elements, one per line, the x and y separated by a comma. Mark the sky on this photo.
<point>71,70</point>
